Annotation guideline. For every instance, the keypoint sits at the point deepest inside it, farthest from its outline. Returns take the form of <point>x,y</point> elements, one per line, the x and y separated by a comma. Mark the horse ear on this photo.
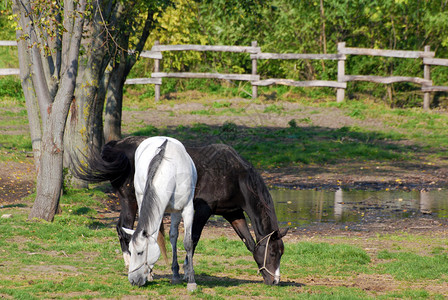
<point>128,231</point>
<point>282,232</point>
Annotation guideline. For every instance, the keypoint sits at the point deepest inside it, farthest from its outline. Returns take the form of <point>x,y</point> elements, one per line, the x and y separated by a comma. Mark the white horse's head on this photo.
<point>144,254</point>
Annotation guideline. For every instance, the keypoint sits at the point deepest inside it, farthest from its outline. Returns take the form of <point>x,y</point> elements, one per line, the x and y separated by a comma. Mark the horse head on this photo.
<point>267,253</point>
<point>144,254</point>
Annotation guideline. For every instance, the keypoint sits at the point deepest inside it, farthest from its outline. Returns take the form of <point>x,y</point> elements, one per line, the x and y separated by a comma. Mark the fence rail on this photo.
<point>387,80</point>
<point>295,56</point>
<point>436,61</point>
<point>340,83</point>
<point>386,53</point>
<point>245,77</point>
<point>4,72</point>
<point>290,82</point>
<point>8,43</point>
<point>236,49</point>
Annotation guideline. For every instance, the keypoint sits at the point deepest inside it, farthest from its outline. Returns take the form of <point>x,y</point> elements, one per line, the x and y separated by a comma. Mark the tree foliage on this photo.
<point>306,26</point>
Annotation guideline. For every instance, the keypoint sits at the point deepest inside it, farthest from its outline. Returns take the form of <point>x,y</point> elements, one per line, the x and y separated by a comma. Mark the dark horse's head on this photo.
<point>267,253</point>
<point>269,247</point>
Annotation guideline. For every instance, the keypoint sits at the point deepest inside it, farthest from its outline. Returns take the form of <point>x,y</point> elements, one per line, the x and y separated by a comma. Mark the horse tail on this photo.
<point>111,164</point>
<point>149,201</point>
<point>161,243</point>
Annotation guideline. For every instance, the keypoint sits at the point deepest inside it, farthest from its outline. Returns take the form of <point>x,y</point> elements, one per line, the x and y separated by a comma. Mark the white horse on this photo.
<point>165,179</point>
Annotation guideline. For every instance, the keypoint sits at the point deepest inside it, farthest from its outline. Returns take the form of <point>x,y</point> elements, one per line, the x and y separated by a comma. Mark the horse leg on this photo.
<point>239,224</point>
<point>174,234</point>
<point>188,215</point>
<point>202,213</point>
<point>128,212</point>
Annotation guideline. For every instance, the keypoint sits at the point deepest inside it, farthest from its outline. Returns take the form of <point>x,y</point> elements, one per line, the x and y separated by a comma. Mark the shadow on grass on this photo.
<point>99,222</point>
<point>209,281</point>
<point>18,205</point>
<point>268,147</point>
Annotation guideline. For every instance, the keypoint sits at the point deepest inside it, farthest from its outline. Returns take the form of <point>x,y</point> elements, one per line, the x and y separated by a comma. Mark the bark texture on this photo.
<point>52,92</point>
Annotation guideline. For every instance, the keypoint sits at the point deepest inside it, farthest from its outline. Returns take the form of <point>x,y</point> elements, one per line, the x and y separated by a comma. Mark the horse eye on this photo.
<point>140,253</point>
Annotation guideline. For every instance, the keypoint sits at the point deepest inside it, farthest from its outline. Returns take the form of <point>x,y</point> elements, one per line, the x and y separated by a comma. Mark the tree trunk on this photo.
<point>75,140</point>
<point>114,105</point>
<point>323,34</point>
<point>27,87</point>
<point>49,178</point>
<point>114,96</point>
<point>79,133</point>
<point>84,123</point>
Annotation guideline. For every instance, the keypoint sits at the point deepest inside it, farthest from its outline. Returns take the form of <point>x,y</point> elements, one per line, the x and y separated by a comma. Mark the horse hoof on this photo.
<point>176,281</point>
<point>191,287</point>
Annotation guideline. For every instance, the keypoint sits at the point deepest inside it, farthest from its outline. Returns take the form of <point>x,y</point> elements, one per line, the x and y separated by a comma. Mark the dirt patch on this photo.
<point>16,181</point>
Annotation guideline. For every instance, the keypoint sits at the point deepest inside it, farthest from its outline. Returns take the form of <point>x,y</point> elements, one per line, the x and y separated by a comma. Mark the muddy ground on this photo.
<point>17,181</point>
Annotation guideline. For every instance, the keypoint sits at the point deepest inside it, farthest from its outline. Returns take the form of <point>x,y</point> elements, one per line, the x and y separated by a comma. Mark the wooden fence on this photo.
<point>340,83</point>
<point>9,71</point>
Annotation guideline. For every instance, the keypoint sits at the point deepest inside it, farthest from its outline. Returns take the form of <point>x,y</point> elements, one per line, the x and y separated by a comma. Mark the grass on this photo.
<point>78,256</point>
<point>411,266</point>
<point>426,127</point>
<point>279,147</point>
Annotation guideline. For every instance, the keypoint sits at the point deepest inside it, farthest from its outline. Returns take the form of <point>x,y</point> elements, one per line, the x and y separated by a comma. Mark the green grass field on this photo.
<point>78,257</point>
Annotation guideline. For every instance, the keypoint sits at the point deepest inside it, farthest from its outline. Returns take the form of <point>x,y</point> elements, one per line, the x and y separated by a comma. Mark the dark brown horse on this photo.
<point>227,185</point>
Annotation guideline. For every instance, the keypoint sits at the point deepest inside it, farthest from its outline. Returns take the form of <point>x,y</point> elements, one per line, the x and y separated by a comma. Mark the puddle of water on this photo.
<point>302,207</point>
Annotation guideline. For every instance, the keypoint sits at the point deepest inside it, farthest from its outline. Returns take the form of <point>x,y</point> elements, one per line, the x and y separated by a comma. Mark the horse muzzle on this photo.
<point>270,278</point>
<point>140,278</point>
<point>137,280</point>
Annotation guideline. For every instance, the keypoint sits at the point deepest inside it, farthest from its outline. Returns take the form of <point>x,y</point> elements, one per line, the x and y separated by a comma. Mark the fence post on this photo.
<point>427,76</point>
<point>156,69</point>
<point>340,93</point>
<point>254,72</point>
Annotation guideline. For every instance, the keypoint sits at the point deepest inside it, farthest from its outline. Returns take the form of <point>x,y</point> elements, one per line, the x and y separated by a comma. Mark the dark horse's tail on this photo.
<point>149,202</point>
<point>112,164</point>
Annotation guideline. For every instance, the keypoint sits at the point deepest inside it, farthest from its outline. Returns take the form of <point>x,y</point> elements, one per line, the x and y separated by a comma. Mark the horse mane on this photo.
<point>260,195</point>
<point>258,192</point>
<point>150,200</point>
